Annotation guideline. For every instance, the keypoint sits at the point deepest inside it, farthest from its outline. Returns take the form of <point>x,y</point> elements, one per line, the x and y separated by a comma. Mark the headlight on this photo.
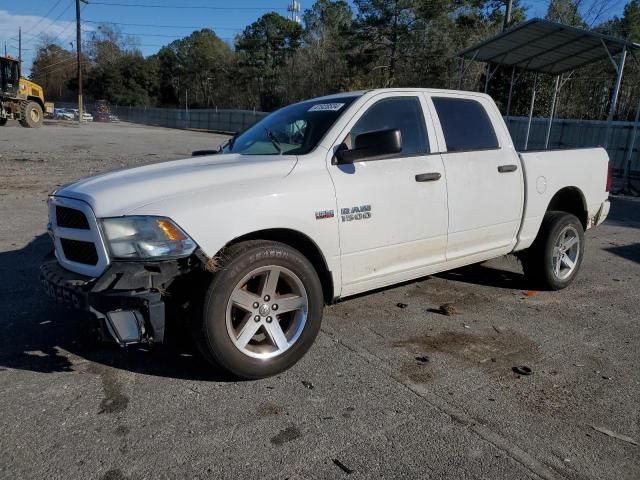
<point>146,237</point>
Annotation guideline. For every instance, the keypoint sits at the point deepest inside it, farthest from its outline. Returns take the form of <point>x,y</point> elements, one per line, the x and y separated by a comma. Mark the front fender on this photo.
<point>216,217</point>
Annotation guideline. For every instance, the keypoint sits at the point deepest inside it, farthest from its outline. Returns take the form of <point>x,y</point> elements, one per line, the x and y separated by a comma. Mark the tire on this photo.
<point>31,115</point>
<point>3,122</point>
<point>541,265</point>
<point>245,277</point>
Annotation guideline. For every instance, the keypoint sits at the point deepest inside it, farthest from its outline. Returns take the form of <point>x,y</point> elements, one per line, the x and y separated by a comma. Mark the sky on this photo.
<point>173,19</point>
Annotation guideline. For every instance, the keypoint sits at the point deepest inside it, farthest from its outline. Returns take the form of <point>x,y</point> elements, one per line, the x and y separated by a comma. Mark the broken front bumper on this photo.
<point>126,298</point>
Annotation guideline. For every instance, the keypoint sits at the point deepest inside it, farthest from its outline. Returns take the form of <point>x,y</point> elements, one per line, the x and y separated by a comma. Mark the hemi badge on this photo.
<point>322,214</point>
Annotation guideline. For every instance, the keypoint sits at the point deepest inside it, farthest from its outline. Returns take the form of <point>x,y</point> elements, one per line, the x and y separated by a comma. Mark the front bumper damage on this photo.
<point>128,299</point>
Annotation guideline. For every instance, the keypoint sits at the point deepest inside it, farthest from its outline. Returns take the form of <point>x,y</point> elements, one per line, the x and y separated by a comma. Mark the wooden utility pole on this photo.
<point>20,47</point>
<point>507,15</point>
<point>79,54</point>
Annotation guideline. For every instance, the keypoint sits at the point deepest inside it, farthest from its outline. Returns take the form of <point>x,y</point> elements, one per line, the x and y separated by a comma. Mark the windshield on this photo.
<point>292,130</point>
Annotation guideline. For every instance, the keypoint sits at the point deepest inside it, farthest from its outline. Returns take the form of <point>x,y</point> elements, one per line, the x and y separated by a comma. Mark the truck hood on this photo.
<point>119,192</point>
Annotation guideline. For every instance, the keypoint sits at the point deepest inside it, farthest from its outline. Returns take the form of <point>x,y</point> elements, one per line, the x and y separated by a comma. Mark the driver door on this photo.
<point>392,211</point>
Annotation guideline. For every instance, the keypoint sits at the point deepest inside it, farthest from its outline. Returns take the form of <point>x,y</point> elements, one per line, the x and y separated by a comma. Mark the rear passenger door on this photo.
<point>392,211</point>
<point>484,179</point>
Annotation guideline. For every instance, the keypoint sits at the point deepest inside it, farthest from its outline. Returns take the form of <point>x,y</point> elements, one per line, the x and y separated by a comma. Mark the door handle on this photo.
<point>428,177</point>
<point>507,168</point>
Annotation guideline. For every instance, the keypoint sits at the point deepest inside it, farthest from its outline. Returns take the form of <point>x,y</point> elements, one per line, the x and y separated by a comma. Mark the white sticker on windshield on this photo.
<point>326,107</point>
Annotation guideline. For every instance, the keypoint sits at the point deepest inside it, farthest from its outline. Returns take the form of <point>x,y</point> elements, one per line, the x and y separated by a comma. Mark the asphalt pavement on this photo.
<point>396,386</point>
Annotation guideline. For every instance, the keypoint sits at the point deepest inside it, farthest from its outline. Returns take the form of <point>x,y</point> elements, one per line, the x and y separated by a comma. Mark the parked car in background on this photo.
<point>63,114</point>
<point>86,117</point>
<point>320,200</point>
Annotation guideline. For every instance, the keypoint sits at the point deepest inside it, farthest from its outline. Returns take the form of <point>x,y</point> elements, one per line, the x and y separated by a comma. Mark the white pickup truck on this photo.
<point>320,200</point>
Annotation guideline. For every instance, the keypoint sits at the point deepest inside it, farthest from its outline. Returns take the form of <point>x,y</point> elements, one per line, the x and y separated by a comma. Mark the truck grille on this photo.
<point>71,218</point>
<point>79,251</point>
<point>77,237</point>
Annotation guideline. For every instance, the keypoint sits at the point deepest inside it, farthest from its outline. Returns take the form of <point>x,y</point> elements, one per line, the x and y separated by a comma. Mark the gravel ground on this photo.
<point>385,392</point>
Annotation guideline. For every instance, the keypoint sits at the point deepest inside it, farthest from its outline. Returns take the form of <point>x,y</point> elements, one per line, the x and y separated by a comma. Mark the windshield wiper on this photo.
<point>228,143</point>
<point>274,140</point>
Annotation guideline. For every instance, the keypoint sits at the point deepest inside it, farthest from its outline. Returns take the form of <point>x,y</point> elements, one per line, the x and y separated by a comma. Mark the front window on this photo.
<point>9,75</point>
<point>402,113</point>
<point>292,130</point>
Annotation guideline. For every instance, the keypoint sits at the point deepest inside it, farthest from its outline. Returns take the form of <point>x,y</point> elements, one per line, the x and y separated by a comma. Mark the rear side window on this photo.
<point>465,124</point>
<point>402,113</point>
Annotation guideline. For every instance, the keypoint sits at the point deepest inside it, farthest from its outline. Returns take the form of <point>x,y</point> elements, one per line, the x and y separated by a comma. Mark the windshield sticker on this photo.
<point>326,107</point>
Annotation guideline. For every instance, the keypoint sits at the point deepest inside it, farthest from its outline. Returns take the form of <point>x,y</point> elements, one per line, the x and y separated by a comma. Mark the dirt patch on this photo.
<point>286,435</point>
<point>114,474</point>
<point>494,352</point>
<point>114,400</point>
<point>417,372</point>
<point>268,409</point>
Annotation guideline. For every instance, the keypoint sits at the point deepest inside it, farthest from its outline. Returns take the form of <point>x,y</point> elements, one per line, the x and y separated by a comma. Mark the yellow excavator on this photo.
<point>20,99</point>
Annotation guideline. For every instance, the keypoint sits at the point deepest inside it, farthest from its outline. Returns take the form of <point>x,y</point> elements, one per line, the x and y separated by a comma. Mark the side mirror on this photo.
<point>371,146</point>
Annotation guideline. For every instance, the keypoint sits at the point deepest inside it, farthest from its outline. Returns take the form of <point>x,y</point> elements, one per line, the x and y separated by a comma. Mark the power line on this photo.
<point>66,60</point>
<point>35,37</point>
<point>163,26</point>
<point>48,13</point>
<point>55,39</point>
<point>185,7</point>
<point>136,34</point>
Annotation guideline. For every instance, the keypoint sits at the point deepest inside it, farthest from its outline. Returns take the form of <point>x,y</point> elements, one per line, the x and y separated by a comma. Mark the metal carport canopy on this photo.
<point>542,46</point>
<point>547,47</point>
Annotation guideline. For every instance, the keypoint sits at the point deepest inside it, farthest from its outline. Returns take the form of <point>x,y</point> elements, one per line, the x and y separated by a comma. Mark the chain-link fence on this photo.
<point>582,133</point>
<point>564,133</point>
<point>230,121</point>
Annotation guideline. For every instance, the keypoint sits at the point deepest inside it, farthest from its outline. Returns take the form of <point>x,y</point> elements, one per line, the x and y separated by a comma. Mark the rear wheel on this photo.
<point>3,122</point>
<point>262,311</point>
<point>554,259</point>
<point>31,115</point>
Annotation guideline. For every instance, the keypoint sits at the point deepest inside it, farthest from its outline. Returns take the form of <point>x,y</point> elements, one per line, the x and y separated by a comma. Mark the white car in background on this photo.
<point>63,114</point>
<point>86,117</point>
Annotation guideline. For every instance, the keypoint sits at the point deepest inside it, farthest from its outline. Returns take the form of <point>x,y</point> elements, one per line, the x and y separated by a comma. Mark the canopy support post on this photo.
<point>463,69</point>
<point>553,110</point>
<point>619,67</point>
<point>513,76</point>
<point>489,76</point>
<point>533,102</point>
<point>626,173</point>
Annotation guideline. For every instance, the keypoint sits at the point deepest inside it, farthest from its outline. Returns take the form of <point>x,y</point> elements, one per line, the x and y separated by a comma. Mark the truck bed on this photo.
<point>546,172</point>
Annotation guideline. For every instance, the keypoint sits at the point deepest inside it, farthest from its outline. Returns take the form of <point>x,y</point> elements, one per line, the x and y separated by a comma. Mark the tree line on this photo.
<point>377,43</point>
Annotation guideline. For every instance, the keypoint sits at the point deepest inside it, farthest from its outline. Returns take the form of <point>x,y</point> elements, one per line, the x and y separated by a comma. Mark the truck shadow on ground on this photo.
<point>625,212</point>
<point>481,274</point>
<point>36,333</point>
<point>630,252</point>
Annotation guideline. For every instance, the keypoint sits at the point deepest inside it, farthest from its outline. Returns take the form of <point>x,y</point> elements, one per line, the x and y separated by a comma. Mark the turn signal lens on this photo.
<point>172,232</point>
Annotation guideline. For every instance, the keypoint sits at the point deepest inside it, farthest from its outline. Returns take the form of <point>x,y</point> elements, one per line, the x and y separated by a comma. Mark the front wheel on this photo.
<point>3,122</point>
<point>262,311</point>
<point>31,115</point>
<point>554,259</point>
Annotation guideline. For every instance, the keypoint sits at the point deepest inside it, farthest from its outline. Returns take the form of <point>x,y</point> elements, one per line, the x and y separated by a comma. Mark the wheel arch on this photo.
<point>305,245</point>
<point>38,100</point>
<point>570,200</point>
